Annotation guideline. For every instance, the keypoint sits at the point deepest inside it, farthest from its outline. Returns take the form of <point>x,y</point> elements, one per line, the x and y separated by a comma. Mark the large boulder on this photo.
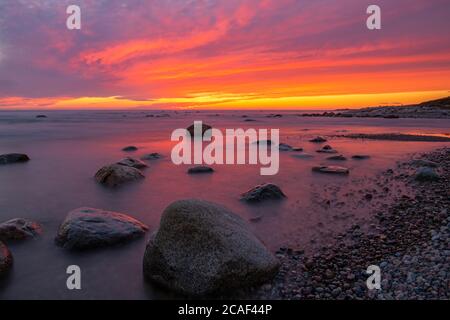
<point>6,259</point>
<point>18,229</point>
<point>266,191</point>
<point>13,158</point>
<point>426,174</point>
<point>202,248</point>
<point>115,174</point>
<point>87,228</point>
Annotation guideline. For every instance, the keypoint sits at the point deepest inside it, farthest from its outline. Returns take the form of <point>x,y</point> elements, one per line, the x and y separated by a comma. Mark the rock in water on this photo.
<point>115,174</point>
<point>202,248</point>
<point>18,229</point>
<point>41,116</point>
<point>267,191</point>
<point>426,174</point>
<point>6,259</point>
<point>337,158</point>
<point>13,158</point>
<point>318,139</point>
<point>88,228</point>
<point>130,148</point>
<point>327,149</point>
<point>360,157</point>
<point>191,129</point>
<point>131,162</point>
<point>284,147</point>
<point>331,169</point>
<point>200,169</point>
<point>303,156</point>
<point>152,156</point>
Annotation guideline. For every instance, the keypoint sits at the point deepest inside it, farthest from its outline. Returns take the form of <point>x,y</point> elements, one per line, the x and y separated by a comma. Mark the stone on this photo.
<point>202,248</point>
<point>337,158</point>
<point>200,169</point>
<point>266,191</point>
<point>152,156</point>
<point>13,158</point>
<point>360,157</point>
<point>318,139</point>
<point>205,128</point>
<point>331,170</point>
<point>131,162</point>
<point>6,259</point>
<point>284,147</point>
<point>88,228</point>
<point>327,149</point>
<point>130,149</point>
<point>426,174</point>
<point>115,175</point>
<point>19,229</point>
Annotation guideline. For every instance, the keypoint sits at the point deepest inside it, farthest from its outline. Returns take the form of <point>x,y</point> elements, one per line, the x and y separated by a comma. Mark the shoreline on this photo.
<point>409,241</point>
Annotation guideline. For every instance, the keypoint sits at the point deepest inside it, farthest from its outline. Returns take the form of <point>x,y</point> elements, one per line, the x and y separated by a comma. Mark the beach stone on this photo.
<point>13,158</point>
<point>331,170</point>
<point>297,149</point>
<point>130,148</point>
<point>424,163</point>
<point>360,157</point>
<point>6,259</point>
<point>337,158</point>
<point>131,162</point>
<point>318,139</point>
<point>19,229</point>
<point>426,174</point>
<point>40,116</point>
<point>115,174</point>
<point>200,169</point>
<point>191,129</point>
<point>88,228</point>
<point>266,191</point>
<point>152,156</point>
<point>217,252</point>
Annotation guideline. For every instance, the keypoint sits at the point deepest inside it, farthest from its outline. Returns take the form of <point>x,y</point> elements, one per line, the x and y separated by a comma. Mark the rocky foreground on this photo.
<point>410,242</point>
<point>436,109</point>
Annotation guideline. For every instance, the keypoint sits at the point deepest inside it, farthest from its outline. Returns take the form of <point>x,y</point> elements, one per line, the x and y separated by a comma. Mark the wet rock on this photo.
<point>130,149</point>
<point>152,156</point>
<point>6,259</point>
<point>205,128</point>
<point>264,142</point>
<point>115,175</point>
<point>131,162</point>
<point>426,174</point>
<point>284,147</point>
<point>337,158</point>
<point>266,191</point>
<point>200,169</point>
<point>327,149</point>
<point>302,156</point>
<point>249,120</point>
<point>41,116</point>
<point>18,229</point>
<point>331,170</point>
<point>318,139</point>
<point>297,149</point>
<point>88,228</point>
<point>13,158</point>
<point>360,157</point>
<point>218,252</point>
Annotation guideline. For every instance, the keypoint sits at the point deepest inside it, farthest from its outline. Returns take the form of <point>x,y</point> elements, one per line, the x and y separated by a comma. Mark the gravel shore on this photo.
<point>409,241</point>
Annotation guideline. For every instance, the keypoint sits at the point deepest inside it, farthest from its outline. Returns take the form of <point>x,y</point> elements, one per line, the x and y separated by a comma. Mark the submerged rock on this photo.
<point>200,169</point>
<point>152,156</point>
<point>327,149</point>
<point>266,191</point>
<point>6,259</point>
<point>130,148</point>
<point>115,174</point>
<point>331,170</point>
<point>217,252</point>
<point>131,162</point>
<point>284,147</point>
<point>40,116</point>
<point>297,149</point>
<point>426,174</point>
<point>303,156</point>
<point>337,158</point>
<point>19,229</point>
<point>318,139</point>
<point>360,157</point>
<point>191,129</point>
<point>13,158</point>
<point>87,228</point>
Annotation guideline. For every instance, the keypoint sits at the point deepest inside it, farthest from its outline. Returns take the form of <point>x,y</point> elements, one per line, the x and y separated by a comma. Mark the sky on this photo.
<point>222,54</point>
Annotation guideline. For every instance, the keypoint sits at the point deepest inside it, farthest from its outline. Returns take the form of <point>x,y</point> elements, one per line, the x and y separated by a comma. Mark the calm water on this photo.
<point>68,147</point>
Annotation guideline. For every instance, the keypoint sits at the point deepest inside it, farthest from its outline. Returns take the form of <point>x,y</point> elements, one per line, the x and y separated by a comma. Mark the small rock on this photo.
<point>284,147</point>
<point>205,128</point>
<point>6,259</point>
<point>360,157</point>
<point>327,149</point>
<point>302,156</point>
<point>19,229</point>
<point>200,169</point>
<point>331,170</point>
<point>152,156</point>
<point>267,191</point>
<point>87,228</point>
<point>337,158</point>
<point>115,175</point>
<point>318,139</point>
<point>40,116</point>
<point>130,149</point>
<point>13,158</point>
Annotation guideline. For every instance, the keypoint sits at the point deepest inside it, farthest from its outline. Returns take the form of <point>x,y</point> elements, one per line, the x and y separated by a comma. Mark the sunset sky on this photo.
<point>274,54</point>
